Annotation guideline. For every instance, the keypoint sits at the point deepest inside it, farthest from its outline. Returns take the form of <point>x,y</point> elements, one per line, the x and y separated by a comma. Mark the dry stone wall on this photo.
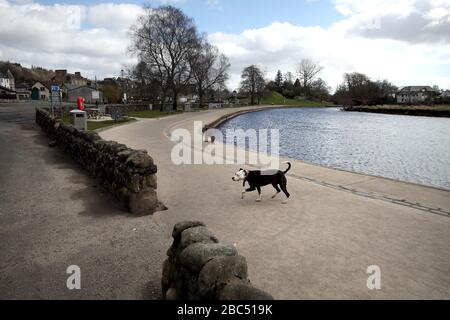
<point>198,267</point>
<point>129,175</point>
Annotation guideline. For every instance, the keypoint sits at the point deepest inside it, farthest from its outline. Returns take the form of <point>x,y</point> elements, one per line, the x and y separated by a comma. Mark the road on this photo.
<point>52,216</point>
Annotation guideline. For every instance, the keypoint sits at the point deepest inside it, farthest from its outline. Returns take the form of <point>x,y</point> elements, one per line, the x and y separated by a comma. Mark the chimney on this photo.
<point>60,76</point>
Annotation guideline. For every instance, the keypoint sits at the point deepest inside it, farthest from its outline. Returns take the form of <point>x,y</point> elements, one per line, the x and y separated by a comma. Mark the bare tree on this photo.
<point>146,81</point>
<point>320,89</point>
<point>307,71</point>
<point>253,83</point>
<point>209,69</point>
<point>358,88</point>
<point>165,38</point>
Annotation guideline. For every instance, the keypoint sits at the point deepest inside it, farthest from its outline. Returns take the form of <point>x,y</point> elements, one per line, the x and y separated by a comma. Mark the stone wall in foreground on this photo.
<point>198,267</point>
<point>129,175</point>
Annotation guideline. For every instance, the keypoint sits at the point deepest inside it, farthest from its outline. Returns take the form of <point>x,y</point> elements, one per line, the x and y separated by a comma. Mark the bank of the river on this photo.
<point>412,110</point>
<point>243,110</point>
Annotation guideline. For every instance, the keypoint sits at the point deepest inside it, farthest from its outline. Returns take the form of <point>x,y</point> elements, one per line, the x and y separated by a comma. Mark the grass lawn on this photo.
<point>93,125</point>
<point>277,99</point>
<point>104,124</point>
<point>148,114</point>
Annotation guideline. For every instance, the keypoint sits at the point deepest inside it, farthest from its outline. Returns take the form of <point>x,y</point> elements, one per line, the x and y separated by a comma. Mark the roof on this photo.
<point>44,83</point>
<point>23,86</point>
<point>6,75</point>
<point>22,89</point>
<point>417,89</point>
<point>72,87</point>
<point>7,89</point>
<point>69,86</point>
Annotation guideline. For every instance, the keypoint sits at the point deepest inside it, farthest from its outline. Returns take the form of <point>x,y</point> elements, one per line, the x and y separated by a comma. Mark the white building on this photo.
<point>7,80</point>
<point>445,96</point>
<point>40,91</point>
<point>416,94</point>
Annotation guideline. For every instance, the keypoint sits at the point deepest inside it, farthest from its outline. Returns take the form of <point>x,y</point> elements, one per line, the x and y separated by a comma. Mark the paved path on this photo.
<point>52,215</point>
<point>320,244</point>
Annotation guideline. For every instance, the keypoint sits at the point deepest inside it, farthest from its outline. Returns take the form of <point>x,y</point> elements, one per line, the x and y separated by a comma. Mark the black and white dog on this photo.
<point>257,179</point>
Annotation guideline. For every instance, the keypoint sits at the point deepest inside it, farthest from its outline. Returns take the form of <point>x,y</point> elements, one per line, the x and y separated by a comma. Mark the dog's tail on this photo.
<point>289,166</point>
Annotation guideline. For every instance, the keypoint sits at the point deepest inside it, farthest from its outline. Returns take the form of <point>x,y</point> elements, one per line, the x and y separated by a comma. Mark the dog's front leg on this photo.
<point>243,193</point>
<point>247,190</point>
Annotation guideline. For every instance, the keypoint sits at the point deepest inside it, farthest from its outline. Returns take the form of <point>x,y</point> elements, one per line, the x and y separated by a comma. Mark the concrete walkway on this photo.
<point>53,215</point>
<point>320,245</point>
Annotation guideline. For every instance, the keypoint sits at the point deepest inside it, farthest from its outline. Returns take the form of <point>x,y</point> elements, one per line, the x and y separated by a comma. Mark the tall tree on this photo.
<point>358,88</point>
<point>165,39</point>
<point>253,83</point>
<point>320,89</point>
<point>297,87</point>
<point>209,69</point>
<point>279,82</point>
<point>307,71</point>
<point>146,82</point>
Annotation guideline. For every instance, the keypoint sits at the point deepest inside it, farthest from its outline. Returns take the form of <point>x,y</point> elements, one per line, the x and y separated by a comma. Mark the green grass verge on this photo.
<point>104,124</point>
<point>277,99</point>
<point>94,125</point>
<point>149,114</point>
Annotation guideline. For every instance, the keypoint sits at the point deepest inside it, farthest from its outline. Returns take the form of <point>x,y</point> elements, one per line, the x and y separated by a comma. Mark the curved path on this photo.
<point>321,243</point>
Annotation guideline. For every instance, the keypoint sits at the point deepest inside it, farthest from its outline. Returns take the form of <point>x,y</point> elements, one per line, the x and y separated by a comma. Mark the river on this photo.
<point>407,148</point>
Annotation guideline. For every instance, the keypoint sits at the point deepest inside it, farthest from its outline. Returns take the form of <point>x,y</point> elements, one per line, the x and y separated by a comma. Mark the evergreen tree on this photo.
<point>279,82</point>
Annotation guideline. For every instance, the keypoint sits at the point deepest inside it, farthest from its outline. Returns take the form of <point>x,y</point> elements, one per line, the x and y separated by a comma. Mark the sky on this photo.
<point>404,41</point>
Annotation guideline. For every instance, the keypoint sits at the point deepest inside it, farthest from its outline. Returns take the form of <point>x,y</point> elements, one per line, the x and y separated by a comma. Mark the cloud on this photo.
<point>414,21</point>
<point>405,41</point>
<point>214,4</point>
<point>91,39</point>
<point>113,16</point>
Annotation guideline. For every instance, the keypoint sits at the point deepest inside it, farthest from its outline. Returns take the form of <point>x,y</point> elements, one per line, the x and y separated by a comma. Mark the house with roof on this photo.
<point>6,93</point>
<point>23,91</point>
<point>416,94</point>
<point>445,96</point>
<point>40,91</point>
<point>63,77</point>
<point>7,80</point>
<point>91,94</point>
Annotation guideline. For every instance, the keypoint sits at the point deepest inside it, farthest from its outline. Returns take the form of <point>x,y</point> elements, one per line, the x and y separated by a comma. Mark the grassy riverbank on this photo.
<point>277,99</point>
<point>94,125</point>
<point>414,110</point>
<point>151,114</point>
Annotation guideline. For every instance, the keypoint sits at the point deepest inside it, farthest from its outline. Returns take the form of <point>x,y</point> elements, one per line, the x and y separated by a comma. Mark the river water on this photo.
<point>407,148</point>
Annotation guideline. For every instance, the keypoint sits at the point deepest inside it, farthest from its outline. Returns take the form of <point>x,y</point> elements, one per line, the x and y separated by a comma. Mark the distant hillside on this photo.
<point>23,74</point>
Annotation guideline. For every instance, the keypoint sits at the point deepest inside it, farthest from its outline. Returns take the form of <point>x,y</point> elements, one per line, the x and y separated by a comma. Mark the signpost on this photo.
<point>95,95</point>
<point>55,99</point>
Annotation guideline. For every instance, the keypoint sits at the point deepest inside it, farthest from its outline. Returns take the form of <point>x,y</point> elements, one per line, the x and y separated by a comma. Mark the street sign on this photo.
<point>95,95</point>
<point>55,99</point>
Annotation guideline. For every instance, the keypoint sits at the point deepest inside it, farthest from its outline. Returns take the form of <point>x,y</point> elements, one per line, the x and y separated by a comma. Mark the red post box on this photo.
<point>80,103</point>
